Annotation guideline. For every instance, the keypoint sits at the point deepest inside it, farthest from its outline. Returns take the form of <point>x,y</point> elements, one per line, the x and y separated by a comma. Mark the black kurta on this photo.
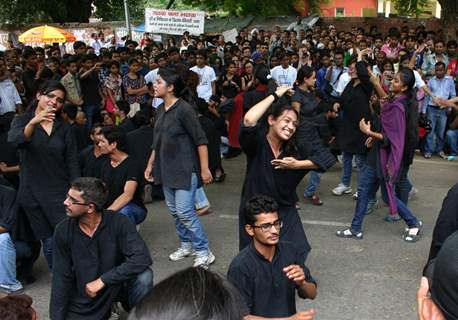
<point>48,164</point>
<point>214,141</point>
<point>177,134</point>
<point>262,179</point>
<point>139,144</point>
<point>446,223</point>
<point>266,289</point>
<point>355,106</point>
<point>116,253</point>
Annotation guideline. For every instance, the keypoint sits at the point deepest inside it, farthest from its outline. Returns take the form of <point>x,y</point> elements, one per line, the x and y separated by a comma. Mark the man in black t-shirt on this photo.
<point>90,88</point>
<point>91,159</point>
<point>268,272</point>
<point>122,175</point>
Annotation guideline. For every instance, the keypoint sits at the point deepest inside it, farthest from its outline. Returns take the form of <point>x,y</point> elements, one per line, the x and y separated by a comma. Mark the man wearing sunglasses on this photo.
<point>268,272</point>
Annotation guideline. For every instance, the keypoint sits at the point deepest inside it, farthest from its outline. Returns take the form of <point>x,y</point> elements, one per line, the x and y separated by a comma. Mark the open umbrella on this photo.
<point>46,34</point>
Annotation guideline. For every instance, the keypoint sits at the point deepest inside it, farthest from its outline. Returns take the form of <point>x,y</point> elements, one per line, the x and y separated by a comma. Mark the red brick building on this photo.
<point>342,8</point>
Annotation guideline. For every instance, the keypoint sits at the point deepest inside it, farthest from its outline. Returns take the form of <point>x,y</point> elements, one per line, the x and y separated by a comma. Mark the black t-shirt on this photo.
<point>116,178</point>
<point>81,136</point>
<point>10,155</point>
<point>139,144</point>
<point>307,100</point>
<point>90,165</point>
<point>127,125</point>
<point>90,89</point>
<point>266,289</point>
<point>232,88</point>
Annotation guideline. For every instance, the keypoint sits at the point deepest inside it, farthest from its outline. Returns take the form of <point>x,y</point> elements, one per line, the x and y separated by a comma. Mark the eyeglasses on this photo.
<point>73,201</point>
<point>266,227</point>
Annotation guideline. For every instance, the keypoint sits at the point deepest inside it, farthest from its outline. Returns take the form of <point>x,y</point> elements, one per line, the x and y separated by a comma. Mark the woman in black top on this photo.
<point>179,161</point>
<point>49,162</point>
<point>248,82</point>
<point>314,122</point>
<point>230,83</point>
<point>274,166</point>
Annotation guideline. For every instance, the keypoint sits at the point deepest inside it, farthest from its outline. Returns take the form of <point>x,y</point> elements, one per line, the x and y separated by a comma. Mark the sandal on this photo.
<point>410,236</point>
<point>347,233</point>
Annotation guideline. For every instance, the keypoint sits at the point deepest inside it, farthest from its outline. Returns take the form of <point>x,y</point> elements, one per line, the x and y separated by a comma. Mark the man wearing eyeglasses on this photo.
<point>268,272</point>
<point>98,257</point>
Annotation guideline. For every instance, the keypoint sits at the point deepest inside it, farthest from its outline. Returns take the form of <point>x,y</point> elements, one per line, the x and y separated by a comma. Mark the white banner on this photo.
<point>230,35</point>
<point>174,21</point>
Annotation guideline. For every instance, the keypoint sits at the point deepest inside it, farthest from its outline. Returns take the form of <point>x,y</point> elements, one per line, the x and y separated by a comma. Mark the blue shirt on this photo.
<point>336,74</point>
<point>9,97</point>
<point>429,63</point>
<point>442,88</point>
<point>320,78</point>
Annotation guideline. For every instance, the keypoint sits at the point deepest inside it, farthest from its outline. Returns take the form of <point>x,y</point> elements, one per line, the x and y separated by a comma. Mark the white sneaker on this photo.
<point>341,189</point>
<point>412,192</point>
<point>180,253</point>
<point>355,195</point>
<point>204,260</point>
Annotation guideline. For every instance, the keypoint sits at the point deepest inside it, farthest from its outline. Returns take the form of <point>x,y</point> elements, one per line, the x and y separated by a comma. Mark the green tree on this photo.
<point>449,14</point>
<point>410,7</point>
<point>28,11</point>
<point>449,17</point>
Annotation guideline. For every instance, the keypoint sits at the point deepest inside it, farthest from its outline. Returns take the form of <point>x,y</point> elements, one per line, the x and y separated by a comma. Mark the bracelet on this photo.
<point>275,96</point>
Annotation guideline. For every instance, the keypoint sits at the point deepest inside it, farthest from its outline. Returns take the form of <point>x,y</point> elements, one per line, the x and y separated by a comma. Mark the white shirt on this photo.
<point>97,45</point>
<point>9,97</point>
<point>419,83</point>
<point>206,77</point>
<point>284,76</point>
<point>343,81</point>
<point>151,77</point>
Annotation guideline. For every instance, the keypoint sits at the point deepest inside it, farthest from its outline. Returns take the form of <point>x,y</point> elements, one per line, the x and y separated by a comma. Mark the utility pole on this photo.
<point>126,12</point>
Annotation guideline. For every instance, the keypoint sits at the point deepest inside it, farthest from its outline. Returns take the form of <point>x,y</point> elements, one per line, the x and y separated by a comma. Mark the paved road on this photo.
<point>375,278</point>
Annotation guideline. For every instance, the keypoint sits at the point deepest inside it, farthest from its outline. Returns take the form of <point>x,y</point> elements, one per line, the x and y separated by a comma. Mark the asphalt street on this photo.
<point>374,278</point>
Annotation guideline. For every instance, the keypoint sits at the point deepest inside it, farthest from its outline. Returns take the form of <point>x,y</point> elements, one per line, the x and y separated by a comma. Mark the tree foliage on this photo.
<point>412,8</point>
<point>29,11</point>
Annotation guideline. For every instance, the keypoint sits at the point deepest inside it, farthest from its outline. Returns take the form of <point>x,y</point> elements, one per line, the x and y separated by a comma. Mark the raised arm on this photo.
<point>375,80</point>
<point>255,113</point>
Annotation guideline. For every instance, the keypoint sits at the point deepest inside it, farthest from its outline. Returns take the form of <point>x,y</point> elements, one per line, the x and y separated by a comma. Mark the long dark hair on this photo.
<point>304,72</point>
<point>173,77</point>
<point>411,109</point>
<point>45,88</point>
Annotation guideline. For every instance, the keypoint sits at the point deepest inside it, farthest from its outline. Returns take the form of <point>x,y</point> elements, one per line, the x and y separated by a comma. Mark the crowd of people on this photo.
<point>88,136</point>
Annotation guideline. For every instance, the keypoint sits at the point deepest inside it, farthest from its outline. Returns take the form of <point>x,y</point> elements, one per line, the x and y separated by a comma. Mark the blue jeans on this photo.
<point>224,146</point>
<point>201,199</point>
<point>8,263</point>
<point>135,213</point>
<point>438,120</point>
<point>91,112</point>
<point>47,251</point>
<point>402,186</point>
<point>348,166</point>
<point>181,204</point>
<point>368,184</point>
<point>137,288</point>
<point>367,188</point>
<point>314,182</point>
<point>452,140</point>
